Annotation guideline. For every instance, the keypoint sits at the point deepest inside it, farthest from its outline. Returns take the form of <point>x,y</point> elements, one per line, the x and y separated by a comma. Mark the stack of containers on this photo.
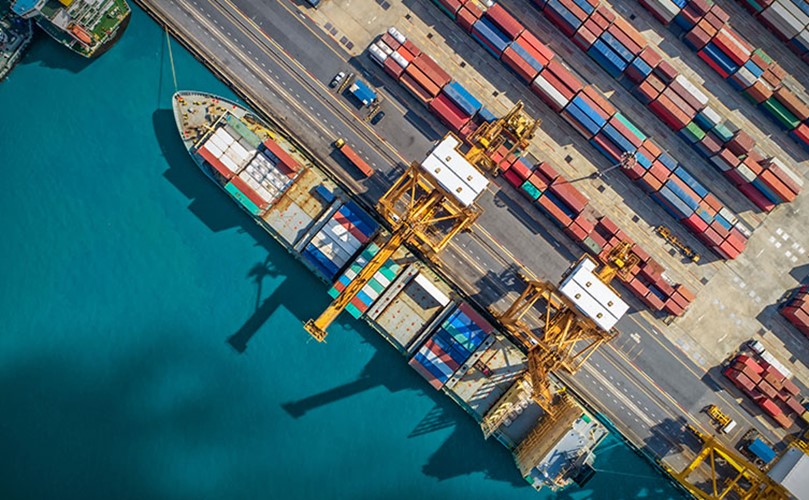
<point>373,289</point>
<point>704,27</point>
<point>557,87</point>
<point>426,80</point>
<point>762,382</point>
<point>796,310</point>
<point>621,50</point>
<point>339,239</point>
<point>225,153</point>
<point>450,345</point>
<point>787,19</point>
<point>598,235</point>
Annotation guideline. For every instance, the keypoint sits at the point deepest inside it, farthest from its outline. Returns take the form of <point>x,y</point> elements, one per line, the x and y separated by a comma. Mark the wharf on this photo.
<point>644,383</point>
<point>15,36</point>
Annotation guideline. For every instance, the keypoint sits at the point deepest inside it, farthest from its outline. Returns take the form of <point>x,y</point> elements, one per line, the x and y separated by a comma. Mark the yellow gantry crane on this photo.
<point>568,338</point>
<point>740,479</point>
<point>514,130</point>
<point>420,213</point>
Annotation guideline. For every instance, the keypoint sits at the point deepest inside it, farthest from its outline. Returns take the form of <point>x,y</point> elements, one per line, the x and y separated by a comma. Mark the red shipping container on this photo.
<point>685,292</point>
<point>392,68</point>
<point>576,232</point>
<point>554,211</point>
<point>783,420</point>
<point>584,38</point>
<point>586,221</point>
<point>637,287</point>
<point>505,21</point>
<point>432,70</point>
<point>713,202</point>
<point>691,15</point>
<point>284,158</point>
<point>769,407</point>
<point>569,195</point>
<point>653,301</point>
<point>605,108</point>
<point>635,171</point>
<point>415,88</point>
<point>651,56</point>
<point>670,114</point>
<point>449,114</point>
<point>653,149</point>
<point>659,171</point>
<point>744,383</point>
<point>577,11</point>
<point>520,66</point>
<point>648,91</point>
<point>406,54</point>
<point>802,133</point>
<point>723,16</point>
<point>737,239</point>
<point>681,93</point>
<point>793,103</point>
<point>390,41</point>
<point>249,192</point>
<point>607,145</point>
<point>783,177</point>
<point>767,389</point>
<point>673,308</point>
<point>677,297</point>
<point>731,46</point>
<point>600,18</point>
<point>513,178</point>
<point>778,187</point>
<point>451,5</point>
<point>624,131</point>
<point>556,83</point>
<point>527,39</point>
<point>598,238</point>
<point>565,76</point>
<point>665,71</point>
<point>698,37</point>
<point>714,66</point>
<point>695,223</point>
<point>711,237</point>
<point>741,143</point>
<point>755,196</point>
<point>790,387</point>
<point>215,162</point>
<point>548,171</point>
<point>774,380</point>
<point>465,19</point>
<point>537,180</point>
<point>411,47</point>
<point>421,79</point>
<point>650,183</point>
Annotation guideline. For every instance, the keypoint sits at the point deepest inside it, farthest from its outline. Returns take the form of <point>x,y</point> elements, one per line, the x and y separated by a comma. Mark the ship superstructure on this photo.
<point>15,35</point>
<point>88,27</point>
<point>445,339</point>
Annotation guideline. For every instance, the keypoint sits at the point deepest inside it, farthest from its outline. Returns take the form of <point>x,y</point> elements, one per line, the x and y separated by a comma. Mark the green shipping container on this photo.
<point>531,190</point>
<point>723,132</point>
<point>243,131</point>
<point>631,126</point>
<point>781,113</point>
<point>763,55</point>
<point>591,246</point>
<point>244,200</point>
<point>353,311</point>
<point>333,293</point>
<point>693,132</point>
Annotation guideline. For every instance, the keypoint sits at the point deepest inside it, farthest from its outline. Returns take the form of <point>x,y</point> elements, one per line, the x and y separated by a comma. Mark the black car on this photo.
<point>377,118</point>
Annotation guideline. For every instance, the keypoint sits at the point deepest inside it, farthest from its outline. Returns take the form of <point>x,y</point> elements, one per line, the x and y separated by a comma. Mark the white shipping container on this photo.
<point>218,142</point>
<point>712,115</point>
<point>746,173</point>
<point>431,289</point>
<point>400,60</point>
<point>240,150</point>
<point>211,147</point>
<point>784,22</point>
<point>397,35</point>
<point>803,38</point>
<point>230,153</point>
<point>769,358</point>
<point>745,77</point>
<point>728,215</point>
<point>229,163</point>
<point>377,55</point>
<point>692,89</point>
<point>665,9</point>
<point>741,49</point>
<point>222,134</point>
<point>384,47</point>
<point>548,90</point>
<point>796,12</point>
<point>797,179</point>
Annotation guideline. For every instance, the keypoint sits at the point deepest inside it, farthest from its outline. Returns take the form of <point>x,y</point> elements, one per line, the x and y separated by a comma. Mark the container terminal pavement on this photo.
<point>494,298</point>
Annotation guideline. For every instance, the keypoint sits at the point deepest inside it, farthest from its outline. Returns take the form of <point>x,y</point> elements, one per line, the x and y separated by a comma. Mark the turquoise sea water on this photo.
<point>127,279</point>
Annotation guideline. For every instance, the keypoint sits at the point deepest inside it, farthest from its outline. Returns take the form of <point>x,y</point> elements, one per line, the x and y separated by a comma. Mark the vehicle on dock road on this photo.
<point>338,78</point>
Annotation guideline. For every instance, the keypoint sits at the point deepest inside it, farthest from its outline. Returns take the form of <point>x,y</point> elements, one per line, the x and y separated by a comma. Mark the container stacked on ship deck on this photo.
<point>683,106</point>
<point>787,19</point>
<point>768,387</point>
<point>613,135</point>
<point>704,27</point>
<point>254,173</point>
<point>563,204</point>
<point>339,239</point>
<point>796,310</point>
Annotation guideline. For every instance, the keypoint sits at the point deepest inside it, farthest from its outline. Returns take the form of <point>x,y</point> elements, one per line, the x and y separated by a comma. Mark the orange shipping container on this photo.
<point>420,78</point>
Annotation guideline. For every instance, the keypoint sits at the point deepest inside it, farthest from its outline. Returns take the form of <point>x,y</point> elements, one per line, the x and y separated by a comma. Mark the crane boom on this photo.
<point>414,221</point>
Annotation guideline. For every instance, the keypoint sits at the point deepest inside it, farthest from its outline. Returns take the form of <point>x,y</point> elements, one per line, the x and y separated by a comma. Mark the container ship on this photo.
<point>87,27</point>
<point>445,339</point>
<point>15,36</point>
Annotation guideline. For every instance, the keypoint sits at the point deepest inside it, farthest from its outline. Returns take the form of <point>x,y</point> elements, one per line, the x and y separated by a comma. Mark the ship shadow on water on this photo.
<point>46,52</point>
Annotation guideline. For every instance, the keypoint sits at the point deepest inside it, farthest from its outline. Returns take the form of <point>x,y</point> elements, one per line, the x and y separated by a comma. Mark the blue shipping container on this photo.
<point>582,119</point>
<point>602,54</point>
<point>618,139</point>
<point>583,5</point>
<point>753,68</point>
<point>462,98</point>
<point>641,66</point>
<point>523,53</point>
<point>320,261</point>
<point>766,191</point>
<point>568,18</point>
<point>719,57</point>
<point>686,198</point>
<point>672,203</point>
<point>761,450</point>
<point>694,184</point>
<point>486,115</point>
<point>490,36</point>
<point>617,46</point>
<point>667,161</point>
<point>591,113</point>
